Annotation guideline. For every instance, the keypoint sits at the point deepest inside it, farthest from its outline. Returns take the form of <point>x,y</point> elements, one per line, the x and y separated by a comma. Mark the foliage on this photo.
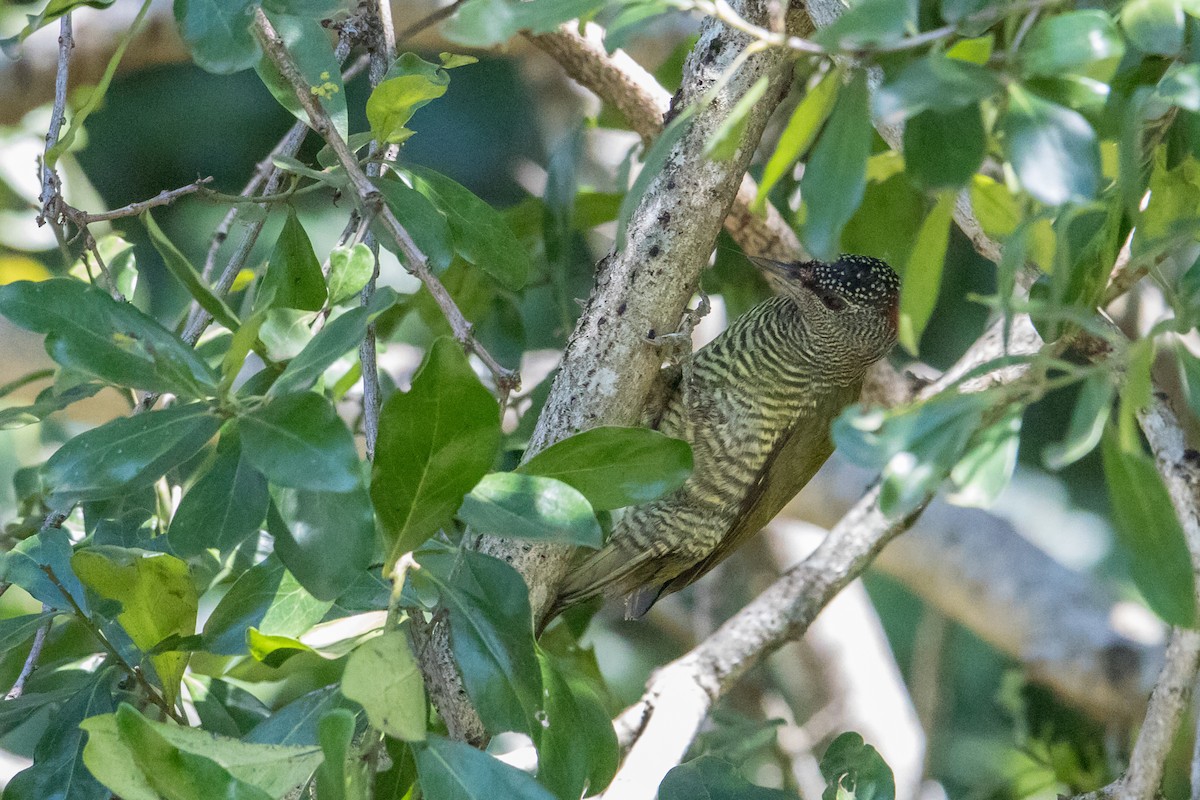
<point>234,535</point>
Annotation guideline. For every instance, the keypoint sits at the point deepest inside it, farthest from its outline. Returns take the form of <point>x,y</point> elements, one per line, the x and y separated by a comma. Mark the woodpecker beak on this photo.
<point>797,272</point>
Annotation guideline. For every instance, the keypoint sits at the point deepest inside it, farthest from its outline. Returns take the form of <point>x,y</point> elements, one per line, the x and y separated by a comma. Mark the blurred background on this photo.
<point>903,665</point>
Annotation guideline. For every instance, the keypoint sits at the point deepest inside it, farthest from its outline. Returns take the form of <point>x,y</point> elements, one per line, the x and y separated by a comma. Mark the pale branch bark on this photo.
<point>975,568</point>
<point>858,673</point>
<point>371,203</point>
<point>690,685</point>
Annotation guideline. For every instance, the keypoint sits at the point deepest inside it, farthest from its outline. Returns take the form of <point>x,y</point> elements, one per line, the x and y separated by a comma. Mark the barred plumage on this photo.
<point>757,414</point>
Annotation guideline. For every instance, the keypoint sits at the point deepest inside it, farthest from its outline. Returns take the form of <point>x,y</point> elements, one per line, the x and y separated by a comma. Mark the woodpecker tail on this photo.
<point>611,571</point>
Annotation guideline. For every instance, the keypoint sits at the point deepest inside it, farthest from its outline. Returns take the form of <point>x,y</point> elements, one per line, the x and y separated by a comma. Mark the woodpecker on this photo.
<point>756,405</point>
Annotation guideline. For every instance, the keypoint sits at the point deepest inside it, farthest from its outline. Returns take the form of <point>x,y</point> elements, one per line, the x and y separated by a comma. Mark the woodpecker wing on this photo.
<point>787,469</point>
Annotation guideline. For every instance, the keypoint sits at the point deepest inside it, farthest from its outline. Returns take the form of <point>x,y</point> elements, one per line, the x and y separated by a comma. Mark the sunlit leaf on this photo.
<point>531,507</point>
<point>383,676</point>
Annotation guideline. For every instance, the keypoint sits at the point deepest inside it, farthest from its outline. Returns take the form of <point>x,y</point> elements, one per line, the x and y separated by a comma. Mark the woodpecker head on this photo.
<point>856,299</point>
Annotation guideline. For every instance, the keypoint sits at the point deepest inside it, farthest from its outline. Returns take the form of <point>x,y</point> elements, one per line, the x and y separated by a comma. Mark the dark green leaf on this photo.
<point>298,441</point>
<point>855,766</point>
<point>383,676</point>
<point>218,33</point>
<point>450,770</point>
<point>332,342</point>
<point>25,566</point>
<point>157,597</point>
<point>59,769</point>
<point>616,467</point>
<point>577,746</point>
<point>836,174</point>
<point>424,223</point>
<point>1145,522</point>
<point>224,708</point>
<point>223,507</point>
<point>933,83</point>
<point>293,278</point>
<point>711,778</point>
<point>481,236</point>
<point>435,442</point>
<point>296,723</point>
<point>179,266</point>
<point>15,631</point>
<point>801,131</point>
<point>1052,149</point>
<point>1087,423</point>
<point>530,507</point>
<point>266,597</point>
<point>1180,86</point>
<point>944,149</point>
<point>88,331</point>
<point>1084,42</point>
<point>491,634</point>
<point>486,23</point>
<point>326,539</point>
<point>727,138</point>
<point>128,453</point>
<point>308,43</point>
<point>349,271</point>
<point>869,22</point>
<point>1154,26</point>
<point>922,277</point>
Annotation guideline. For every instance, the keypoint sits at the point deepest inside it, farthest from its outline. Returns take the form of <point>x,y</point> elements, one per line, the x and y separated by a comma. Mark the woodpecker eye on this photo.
<point>833,302</point>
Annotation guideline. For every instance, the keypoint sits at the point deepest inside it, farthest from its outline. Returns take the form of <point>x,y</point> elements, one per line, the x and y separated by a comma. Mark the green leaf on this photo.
<point>868,23</point>
<point>435,443</point>
<point>410,83</point>
<point>296,722</point>
<point>933,83</point>
<point>88,331</point>
<point>179,266</point>
<point>325,539</point>
<point>332,342</point>
<point>124,748</point>
<point>1077,42</point>
<point>382,675</point>
<point>481,235</point>
<point>616,467</point>
<point>836,174</point>
<point>1087,423</point>
<point>491,634</point>
<point>223,507</point>
<point>1180,86</point>
<point>293,278</point>
<point>298,441</point>
<point>285,331</point>
<point>923,273</point>
<point>424,223</point>
<point>350,269</point>
<point>996,208</point>
<point>307,41</point>
<point>986,468</point>
<point>1052,149</point>
<point>16,631</point>
<point>1146,525</point>
<point>340,776</point>
<point>52,11</point>
<point>531,507</point>
<point>727,138</point>
<point>577,746</point>
<point>1154,26</point>
<point>59,759</point>
<point>218,33</point>
<point>487,23</point>
<point>48,401</point>
<point>128,453</point>
<point>944,149</point>
<point>713,779</point>
<point>157,597</point>
<point>851,764</point>
<point>26,564</point>
<point>266,597</point>
<point>800,132</point>
<point>450,770</point>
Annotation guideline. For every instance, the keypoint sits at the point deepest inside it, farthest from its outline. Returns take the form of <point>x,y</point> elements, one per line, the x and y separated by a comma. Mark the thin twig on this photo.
<point>371,203</point>
<point>35,653</point>
<point>163,198</point>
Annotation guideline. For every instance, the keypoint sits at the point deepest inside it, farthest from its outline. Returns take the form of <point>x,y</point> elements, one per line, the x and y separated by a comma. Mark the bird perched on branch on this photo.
<point>756,405</point>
